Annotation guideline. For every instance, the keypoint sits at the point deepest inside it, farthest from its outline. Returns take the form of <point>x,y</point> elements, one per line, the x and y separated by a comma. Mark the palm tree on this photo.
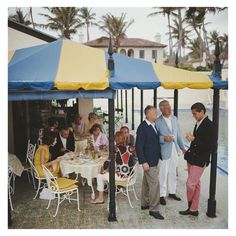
<point>87,18</point>
<point>195,50</point>
<point>165,11</point>
<point>115,26</point>
<point>63,19</point>
<point>181,39</point>
<point>31,16</point>
<point>224,42</point>
<point>224,47</point>
<point>209,10</point>
<point>20,17</point>
<point>214,35</point>
<point>196,18</point>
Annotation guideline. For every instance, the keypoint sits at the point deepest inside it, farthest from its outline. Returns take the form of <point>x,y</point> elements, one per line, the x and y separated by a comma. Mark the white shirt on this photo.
<point>168,121</point>
<point>169,124</point>
<point>199,122</point>
<point>63,140</point>
<point>152,124</point>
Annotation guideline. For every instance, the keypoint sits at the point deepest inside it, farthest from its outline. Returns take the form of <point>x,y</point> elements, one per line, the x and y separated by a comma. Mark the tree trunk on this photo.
<point>180,33</point>
<point>31,16</point>
<point>87,32</point>
<point>170,39</point>
<point>206,43</point>
<point>203,46</point>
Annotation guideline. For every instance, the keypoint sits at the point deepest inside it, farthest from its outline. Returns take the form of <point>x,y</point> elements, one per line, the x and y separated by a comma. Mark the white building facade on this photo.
<point>135,47</point>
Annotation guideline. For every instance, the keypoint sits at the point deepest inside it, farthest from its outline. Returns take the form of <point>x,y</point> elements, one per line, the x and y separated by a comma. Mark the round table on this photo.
<point>86,167</point>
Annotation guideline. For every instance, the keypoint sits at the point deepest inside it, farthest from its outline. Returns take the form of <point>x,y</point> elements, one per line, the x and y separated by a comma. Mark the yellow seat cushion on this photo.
<point>68,188</point>
<point>65,184</point>
<point>121,182</point>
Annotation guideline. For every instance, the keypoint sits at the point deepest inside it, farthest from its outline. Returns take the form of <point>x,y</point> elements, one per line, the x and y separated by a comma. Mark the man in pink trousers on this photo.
<point>198,155</point>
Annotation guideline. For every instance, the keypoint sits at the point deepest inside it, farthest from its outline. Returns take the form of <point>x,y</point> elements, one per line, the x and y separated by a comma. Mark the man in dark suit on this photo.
<point>148,152</point>
<point>203,142</point>
<point>65,143</point>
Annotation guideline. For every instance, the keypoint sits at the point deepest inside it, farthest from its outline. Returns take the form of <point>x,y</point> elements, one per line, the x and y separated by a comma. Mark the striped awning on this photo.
<point>62,65</point>
<point>68,66</point>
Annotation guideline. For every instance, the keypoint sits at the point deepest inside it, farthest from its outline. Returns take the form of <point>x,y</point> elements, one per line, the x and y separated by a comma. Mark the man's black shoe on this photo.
<point>162,201</point>
<point>175,197</point>
<point>144,207</point>
<point>156,215</point>
<point>188,212</point>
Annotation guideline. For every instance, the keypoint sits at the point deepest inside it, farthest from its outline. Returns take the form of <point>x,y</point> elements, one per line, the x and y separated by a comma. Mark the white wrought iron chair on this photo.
<point>61,186</point>
<point>128,184</point>
<point>41,180</point>
<point>10,188</point>
<point>40,136</point>
<point>27,167</point>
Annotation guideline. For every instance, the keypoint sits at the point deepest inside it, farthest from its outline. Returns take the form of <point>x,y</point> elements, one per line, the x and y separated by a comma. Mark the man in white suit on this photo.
<point>171,142</point>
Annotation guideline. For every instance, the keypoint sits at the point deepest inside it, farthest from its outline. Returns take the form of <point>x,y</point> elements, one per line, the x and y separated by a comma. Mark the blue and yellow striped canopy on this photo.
<point>64,65</point>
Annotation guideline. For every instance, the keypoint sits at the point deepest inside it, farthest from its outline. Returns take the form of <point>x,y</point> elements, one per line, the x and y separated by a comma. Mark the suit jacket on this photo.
<point>147,145</point>
<point>164,130</point>
<point>70,145</point>
<point>204,143</point>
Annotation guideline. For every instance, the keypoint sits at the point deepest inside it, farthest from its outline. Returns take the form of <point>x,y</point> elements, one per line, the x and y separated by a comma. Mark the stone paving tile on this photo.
<point>32,214</point>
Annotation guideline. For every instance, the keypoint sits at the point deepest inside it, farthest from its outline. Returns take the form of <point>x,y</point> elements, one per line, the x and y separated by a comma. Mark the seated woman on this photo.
<point>93,119</point>
<point>97,139</point>
<point>42,154</point>
<point>124,164</point>
<point>78,126</point>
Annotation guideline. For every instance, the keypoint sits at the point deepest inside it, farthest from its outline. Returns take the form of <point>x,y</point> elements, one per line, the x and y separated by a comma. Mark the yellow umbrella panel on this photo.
<point>81,67</point>
<point>175,78</point>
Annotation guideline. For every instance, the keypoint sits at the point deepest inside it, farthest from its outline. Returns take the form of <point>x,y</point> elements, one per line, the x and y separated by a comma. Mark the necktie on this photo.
<point>195,128</point>
<point>154,127</point>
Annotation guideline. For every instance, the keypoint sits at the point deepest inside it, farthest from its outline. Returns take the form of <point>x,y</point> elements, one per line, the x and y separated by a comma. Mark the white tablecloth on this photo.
<point>15,165</point>
<point>88,168</point>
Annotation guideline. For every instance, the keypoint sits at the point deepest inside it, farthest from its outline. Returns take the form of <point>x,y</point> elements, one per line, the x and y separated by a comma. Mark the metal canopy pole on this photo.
<point>111,112</point>
<point>155,98</point>
<point>132,125</point>
<point>126,107</point>
<point>117,99</point>
<point>141,105</point>
<point>211,207</point>
<point>121,99</point>
<point>176,92</point>
<point>27,119</point>
<point>155,92</point>
<point>176,98</point>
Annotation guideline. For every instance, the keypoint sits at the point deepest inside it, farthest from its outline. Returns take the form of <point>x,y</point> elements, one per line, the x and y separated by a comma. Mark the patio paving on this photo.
<point>32,214</point>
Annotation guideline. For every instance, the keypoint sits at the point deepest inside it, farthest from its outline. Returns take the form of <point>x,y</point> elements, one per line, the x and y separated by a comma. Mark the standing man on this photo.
<point>148,152</point>
<point>171,142</point>
<point>203,142</point>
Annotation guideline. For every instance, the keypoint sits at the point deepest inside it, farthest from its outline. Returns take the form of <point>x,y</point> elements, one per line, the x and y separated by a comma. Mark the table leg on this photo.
<point>92,194</point>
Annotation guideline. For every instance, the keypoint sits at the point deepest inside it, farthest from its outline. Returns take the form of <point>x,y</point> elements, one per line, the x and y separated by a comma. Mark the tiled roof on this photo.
<point>126,42</point>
